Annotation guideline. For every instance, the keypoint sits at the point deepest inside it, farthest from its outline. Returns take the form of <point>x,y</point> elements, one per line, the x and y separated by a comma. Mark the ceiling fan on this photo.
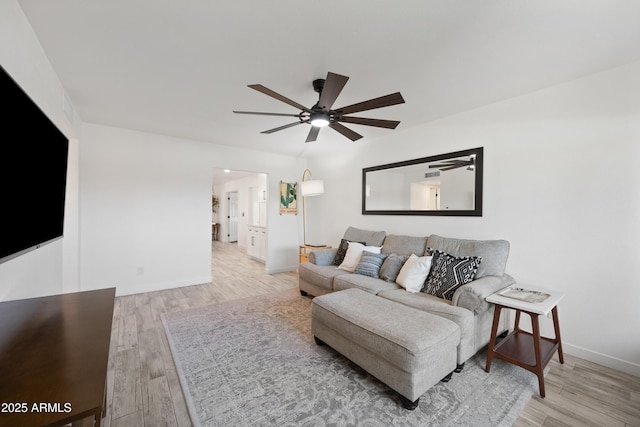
<point>448,165</point>
<point>321,114</point>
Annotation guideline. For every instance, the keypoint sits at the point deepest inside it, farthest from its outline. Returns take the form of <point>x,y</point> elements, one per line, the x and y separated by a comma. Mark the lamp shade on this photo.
<point>313,187</point>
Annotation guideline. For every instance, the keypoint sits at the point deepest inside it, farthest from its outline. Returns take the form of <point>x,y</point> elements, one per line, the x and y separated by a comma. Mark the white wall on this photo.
<point>383,191</point>
<point>146,213</point>
<point>561,183</point>
<point>53,268</point>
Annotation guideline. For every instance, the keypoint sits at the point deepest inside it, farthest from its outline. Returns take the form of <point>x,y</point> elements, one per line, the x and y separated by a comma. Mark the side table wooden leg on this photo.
<point>516,324</point>
<point>556,326</point>
<point>494,332</point>
<point>538,369</point>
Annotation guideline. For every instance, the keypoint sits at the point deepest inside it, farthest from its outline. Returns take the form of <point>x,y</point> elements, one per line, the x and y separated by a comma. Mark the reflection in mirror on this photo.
<point>447,184</point>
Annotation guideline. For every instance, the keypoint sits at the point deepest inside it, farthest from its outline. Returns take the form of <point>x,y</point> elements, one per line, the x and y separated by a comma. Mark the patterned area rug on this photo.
<point>253,362</point>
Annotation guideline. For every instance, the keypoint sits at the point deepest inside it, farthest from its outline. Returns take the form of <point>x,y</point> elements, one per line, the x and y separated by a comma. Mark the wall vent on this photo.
<point>432,174</point>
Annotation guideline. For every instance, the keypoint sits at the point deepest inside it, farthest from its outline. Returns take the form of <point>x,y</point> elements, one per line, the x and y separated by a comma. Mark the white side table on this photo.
<point>525,349</point>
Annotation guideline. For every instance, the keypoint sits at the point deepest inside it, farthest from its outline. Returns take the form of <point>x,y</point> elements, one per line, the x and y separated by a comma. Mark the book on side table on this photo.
<point>522,294</point>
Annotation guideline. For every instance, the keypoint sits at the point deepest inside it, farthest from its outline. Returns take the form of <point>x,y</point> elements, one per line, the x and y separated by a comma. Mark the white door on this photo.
<point>232,216</point>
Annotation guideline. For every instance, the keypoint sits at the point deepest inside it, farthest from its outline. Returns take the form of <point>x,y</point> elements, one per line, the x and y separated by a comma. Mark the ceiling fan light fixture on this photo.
<point>322,113</point>
<point>319,119</point>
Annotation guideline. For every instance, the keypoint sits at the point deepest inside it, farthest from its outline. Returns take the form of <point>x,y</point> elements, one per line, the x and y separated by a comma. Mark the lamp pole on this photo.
<point>312,187</point>
<point>304,213</point>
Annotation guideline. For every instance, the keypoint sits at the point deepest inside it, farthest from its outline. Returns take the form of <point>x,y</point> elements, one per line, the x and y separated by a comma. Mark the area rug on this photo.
<point>253,362</point>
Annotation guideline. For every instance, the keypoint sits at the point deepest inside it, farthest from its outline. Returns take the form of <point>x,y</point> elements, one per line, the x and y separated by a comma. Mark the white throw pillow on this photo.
<point>414,272</point>
<point>353,255</point>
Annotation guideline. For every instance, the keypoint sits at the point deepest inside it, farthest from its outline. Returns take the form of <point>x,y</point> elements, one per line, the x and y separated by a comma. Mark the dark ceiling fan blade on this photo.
<point>456,163</point>
<point>383,101</point>
<point>267,114</point>
<point>389,124</point>
<point>354,136</point>
<point>445,165</point>
<point>277,96</point>
<point>282,127</point>
<point>444,169</point>
<point>333,85</point>
<point>313,134</point>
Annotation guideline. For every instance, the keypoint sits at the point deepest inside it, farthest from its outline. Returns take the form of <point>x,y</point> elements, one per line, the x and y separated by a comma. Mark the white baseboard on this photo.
<point>602,359</point>
<point>151,287</point>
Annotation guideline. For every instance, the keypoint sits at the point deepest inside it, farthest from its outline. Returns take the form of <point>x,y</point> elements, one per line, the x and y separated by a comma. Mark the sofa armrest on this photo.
<point>472,295</point>
<point>323,256</point>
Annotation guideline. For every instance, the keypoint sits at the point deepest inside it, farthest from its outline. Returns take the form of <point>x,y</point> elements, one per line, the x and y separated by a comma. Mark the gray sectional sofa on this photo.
<point>467,308</point>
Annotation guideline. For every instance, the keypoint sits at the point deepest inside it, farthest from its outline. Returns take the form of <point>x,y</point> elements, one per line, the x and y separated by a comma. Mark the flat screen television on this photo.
<point>33,173</point>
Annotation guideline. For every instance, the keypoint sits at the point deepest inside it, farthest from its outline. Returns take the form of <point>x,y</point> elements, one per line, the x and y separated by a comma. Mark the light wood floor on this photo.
<point>144,390</point>
<point>582,393</point>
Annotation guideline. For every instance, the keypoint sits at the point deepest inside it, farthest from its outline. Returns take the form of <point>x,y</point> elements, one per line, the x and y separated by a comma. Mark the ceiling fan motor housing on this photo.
<point>318,85</point>
<point>319,117</point>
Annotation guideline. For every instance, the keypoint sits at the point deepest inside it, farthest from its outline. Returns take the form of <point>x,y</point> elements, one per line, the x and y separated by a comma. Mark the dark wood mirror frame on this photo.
<point>476,154</point>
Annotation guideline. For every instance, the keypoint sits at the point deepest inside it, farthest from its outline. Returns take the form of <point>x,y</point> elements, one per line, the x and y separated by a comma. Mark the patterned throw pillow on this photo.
<point>342,251</point>
<point>448,273</point>
<point>370,264</point>
<point>391,267</point>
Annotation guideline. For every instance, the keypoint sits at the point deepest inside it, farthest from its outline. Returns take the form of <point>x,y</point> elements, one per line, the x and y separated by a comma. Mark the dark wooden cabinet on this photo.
<point>54,353</point>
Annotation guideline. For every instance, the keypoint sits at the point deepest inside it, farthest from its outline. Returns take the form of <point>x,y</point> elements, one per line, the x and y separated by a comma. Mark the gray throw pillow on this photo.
<point>391,267</point>
<point>370,264</point>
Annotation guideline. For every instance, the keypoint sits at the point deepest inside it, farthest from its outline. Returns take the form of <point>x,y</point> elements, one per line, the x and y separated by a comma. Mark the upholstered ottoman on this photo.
<point>407,349</point>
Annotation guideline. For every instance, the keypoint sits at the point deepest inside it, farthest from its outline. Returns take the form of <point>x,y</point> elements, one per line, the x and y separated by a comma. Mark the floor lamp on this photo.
<point>308,188</point>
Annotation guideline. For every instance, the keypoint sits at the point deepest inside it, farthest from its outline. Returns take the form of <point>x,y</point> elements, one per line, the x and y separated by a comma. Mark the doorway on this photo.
<point>242,212</point>
<point>232,216</point>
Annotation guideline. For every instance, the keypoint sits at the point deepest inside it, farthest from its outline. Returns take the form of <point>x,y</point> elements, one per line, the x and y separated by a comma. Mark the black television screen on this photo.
<point>34,173</point>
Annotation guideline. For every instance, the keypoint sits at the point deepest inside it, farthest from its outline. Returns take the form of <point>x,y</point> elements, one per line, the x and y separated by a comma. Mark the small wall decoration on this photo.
<point>215,202</point>
<point>288,198</point>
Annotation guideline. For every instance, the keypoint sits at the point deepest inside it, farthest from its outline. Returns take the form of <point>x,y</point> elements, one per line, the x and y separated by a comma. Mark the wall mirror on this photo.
<point>447,185</point>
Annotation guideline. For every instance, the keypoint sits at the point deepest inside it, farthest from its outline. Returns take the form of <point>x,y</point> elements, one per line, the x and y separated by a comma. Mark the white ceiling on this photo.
<point>222,176</point>
<point>180,67</point>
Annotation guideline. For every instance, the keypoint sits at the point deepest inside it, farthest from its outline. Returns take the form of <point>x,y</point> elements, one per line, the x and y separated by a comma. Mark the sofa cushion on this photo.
<point>354,253</point>
<point>365,283</point>
<point>448,273</point>
<point>391,267</point>
<point>404,245</point>
<point>371,238</point>
<point>494,253</point>
<point>319,275</point>
<point>414,272</point>
<point>370,264</point>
